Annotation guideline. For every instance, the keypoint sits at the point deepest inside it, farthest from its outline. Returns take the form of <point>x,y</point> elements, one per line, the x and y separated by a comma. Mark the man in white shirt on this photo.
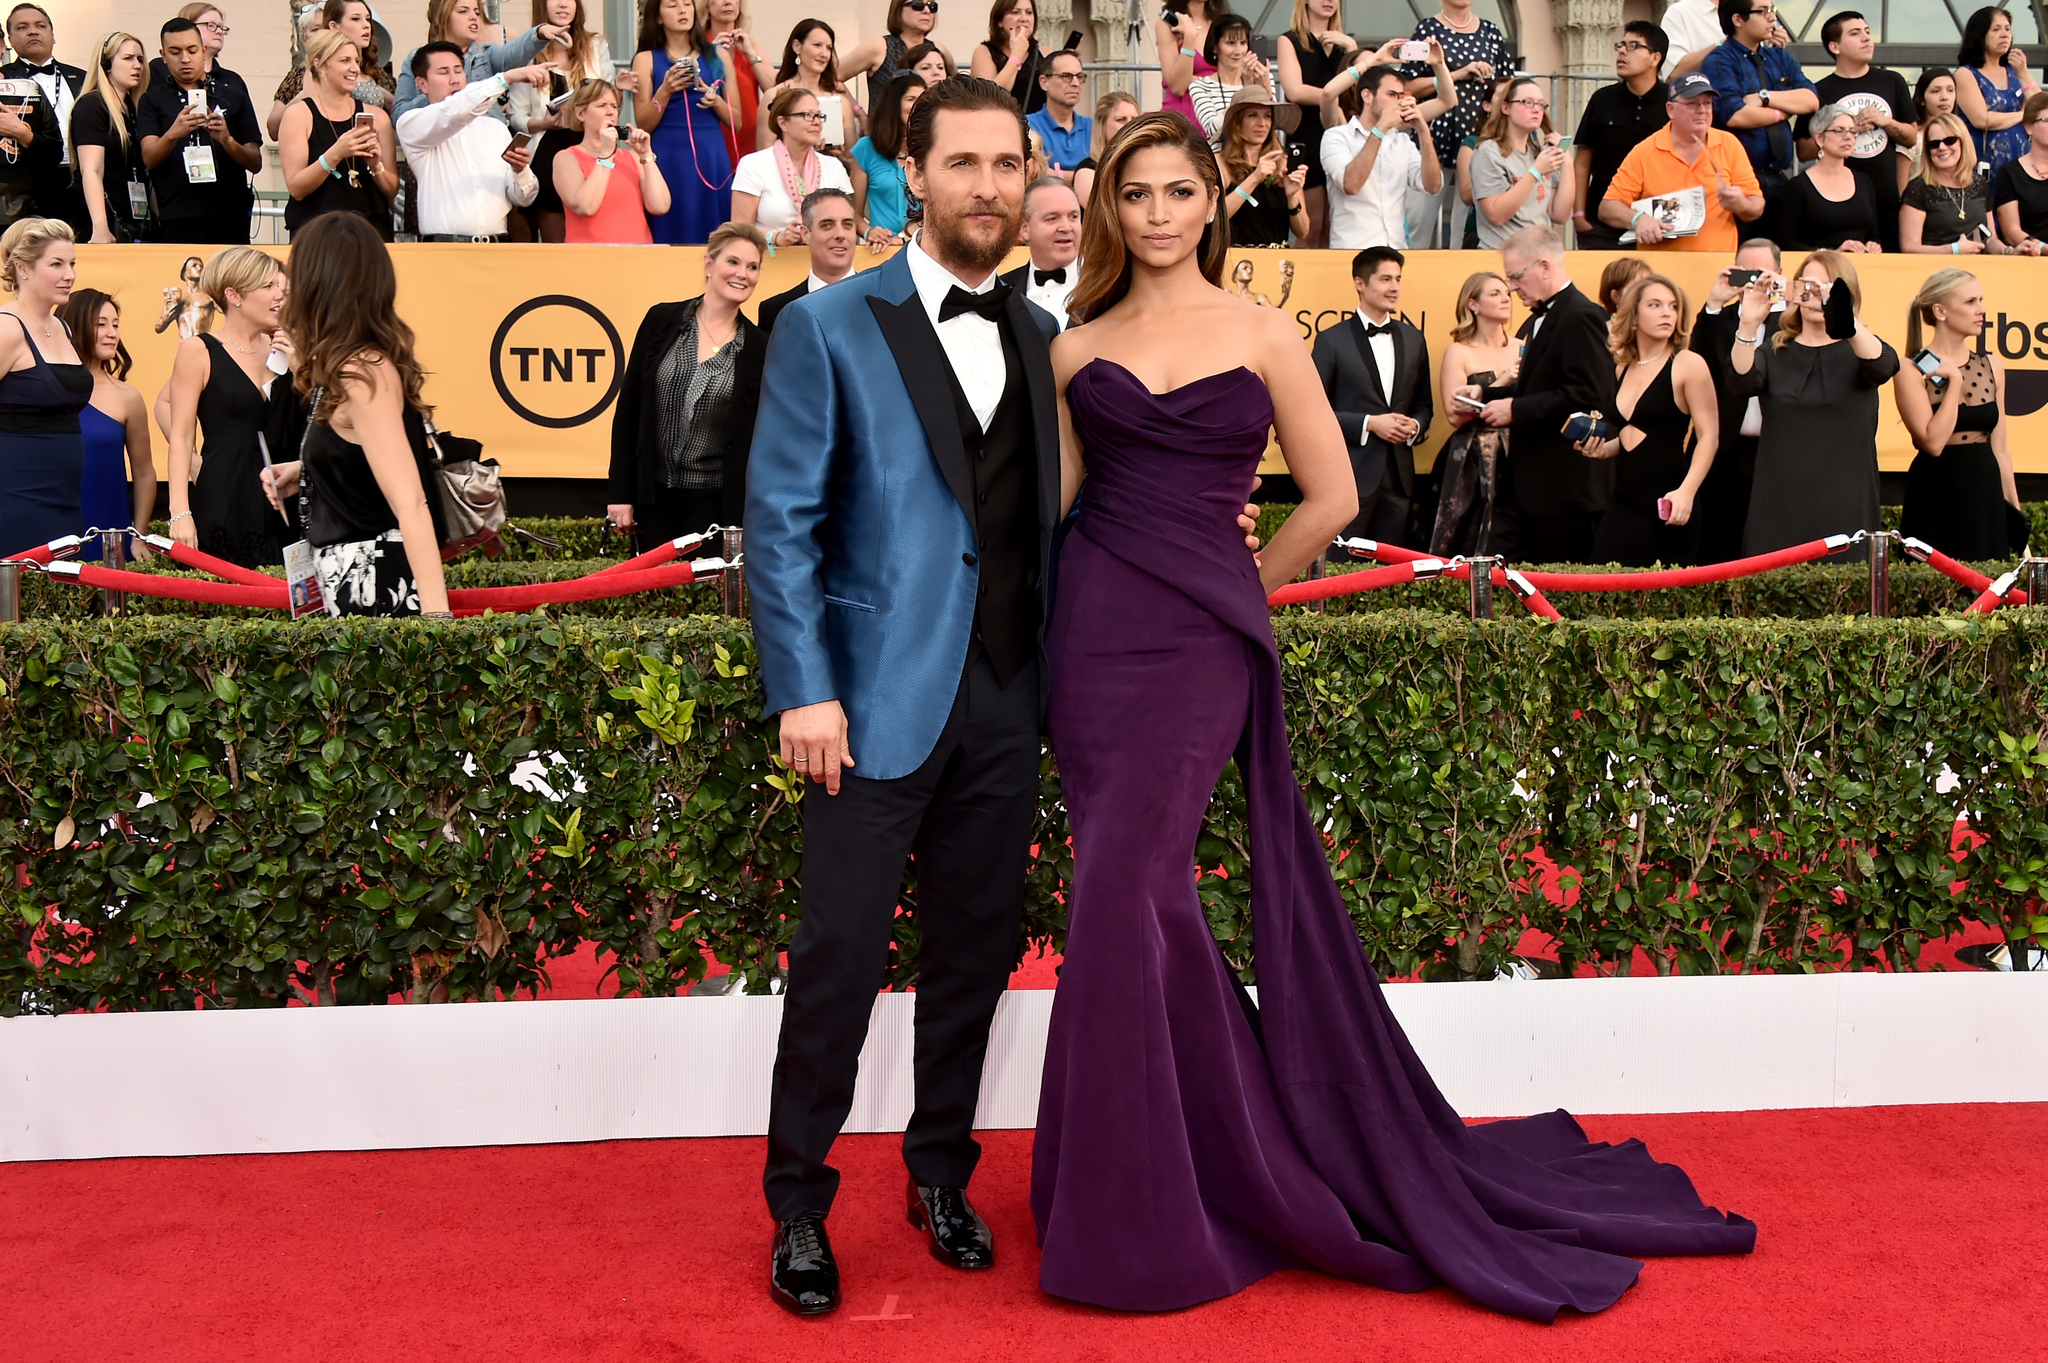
<point>1374,160</point>
<point>832,231</point>
<point>469,173</point>
<point>1375,370</point>
<point>1052,229</point>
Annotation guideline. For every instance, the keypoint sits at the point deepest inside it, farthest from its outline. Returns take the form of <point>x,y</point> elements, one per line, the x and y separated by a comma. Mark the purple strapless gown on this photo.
<point>1184,1149</point>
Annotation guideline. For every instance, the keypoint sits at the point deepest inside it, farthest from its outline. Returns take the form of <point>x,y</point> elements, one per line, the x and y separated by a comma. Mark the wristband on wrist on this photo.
<point>1185,53</point>
<point>1955,248</point>
<point>1240,193</point>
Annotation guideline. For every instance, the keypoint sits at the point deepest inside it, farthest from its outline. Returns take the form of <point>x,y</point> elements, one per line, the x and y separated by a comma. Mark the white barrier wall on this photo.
<point>102,1085</point>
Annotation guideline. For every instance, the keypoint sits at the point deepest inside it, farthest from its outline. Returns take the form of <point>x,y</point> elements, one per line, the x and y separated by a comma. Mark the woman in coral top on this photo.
<point>608,189</point>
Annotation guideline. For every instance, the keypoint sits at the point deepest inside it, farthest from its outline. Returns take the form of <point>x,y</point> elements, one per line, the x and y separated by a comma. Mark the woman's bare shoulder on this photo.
<point>1073,348</point>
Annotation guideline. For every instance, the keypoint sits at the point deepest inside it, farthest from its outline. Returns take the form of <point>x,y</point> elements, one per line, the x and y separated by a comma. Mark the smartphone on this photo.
<point>1412,51</point>
<point>1663,508</point>
<point>1469,404</point>
<point>364,120</point>
<point>1073,41</point>
<point>196,99</point>
<point>1983,232</point>
<point>519,141</point>
<point>1927,362</point>
<point>555,104</point>
<point>1742,279</point>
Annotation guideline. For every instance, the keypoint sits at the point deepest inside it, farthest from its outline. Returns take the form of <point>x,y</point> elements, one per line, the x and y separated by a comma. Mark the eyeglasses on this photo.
<point>1767,11</point>
<point>922,6</point>
<point>1622,47</point>
<point>1838,132</point>
<point>1937,143</point>
<point>1516,277</point>
<point>221,29</point>
<point>807,115</point>
<point>1066,75</point>
<point>1532,103</point>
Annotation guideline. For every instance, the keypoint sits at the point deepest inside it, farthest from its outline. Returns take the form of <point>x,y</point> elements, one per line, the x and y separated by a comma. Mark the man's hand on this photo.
<point>1649,229</point>
<point>217,127</point>
<point>1718,296</point>
<point>528,75</point>
<point>1392,427</point>
<point>1499,412</point>
<point>518,157</point>
<point>814,742</point>
<point>13,125</point>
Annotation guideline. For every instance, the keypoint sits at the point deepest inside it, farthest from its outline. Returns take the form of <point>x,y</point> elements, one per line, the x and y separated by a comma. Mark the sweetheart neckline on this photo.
<point>1223,373</point>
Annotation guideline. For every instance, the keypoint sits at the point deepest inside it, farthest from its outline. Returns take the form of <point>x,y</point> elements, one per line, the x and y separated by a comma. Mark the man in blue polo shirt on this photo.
<point>1067,135</point>
<point>1758,91</point>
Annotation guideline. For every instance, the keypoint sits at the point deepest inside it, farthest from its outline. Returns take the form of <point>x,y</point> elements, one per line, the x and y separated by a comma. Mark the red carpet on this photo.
<point>1886,1234</point>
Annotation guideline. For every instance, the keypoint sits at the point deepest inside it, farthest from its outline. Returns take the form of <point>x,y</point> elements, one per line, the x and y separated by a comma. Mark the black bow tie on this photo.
<point>1039,277</point>
<point>988,304</point>
<point>1383,329</point>
<point>48,68</point>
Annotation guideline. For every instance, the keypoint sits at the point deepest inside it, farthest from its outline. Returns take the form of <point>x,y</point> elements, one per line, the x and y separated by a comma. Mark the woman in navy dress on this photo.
<point>687,115</point>
<point>119,487</point>
<point>42,387</point>
<point>1189,1142</point>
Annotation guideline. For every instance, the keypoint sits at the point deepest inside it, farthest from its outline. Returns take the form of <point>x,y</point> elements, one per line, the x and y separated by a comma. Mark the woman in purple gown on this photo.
<point>1189,1144</point>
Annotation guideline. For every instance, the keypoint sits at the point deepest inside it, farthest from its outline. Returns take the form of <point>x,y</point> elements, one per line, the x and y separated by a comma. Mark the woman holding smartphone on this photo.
<point>536,110</point>
<point>1482,352</point>
<point>1952,399</point>
<point>1816,459</point>
<point>610,182</point>
<point>688,118</point>
<point>338,154</point>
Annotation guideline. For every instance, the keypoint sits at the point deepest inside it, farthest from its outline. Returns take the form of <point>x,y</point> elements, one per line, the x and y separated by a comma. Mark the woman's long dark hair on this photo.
<point>81,317</point>
<point>1105,261</point>
<point>1927,77</point>
<point>340,307</point>
<point>997,38</point>
<point>1977,34</point>
<point>828,80</point>
<point>1235,164</point>
<point>885,120</point>
<point>653,37</point>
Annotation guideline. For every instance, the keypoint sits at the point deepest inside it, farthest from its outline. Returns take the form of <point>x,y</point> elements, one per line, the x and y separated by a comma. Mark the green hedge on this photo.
<point>237,812</point>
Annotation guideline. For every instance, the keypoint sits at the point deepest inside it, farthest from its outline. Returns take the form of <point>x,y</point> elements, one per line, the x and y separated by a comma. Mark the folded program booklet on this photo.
<point>1683,212</point>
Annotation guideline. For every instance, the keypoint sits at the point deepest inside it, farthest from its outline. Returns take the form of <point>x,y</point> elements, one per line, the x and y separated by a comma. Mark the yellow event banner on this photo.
<point>526,345</point>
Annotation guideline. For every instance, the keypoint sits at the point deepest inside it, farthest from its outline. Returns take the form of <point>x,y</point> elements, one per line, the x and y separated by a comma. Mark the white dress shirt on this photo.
<point>973,345</point>
<point>1053,294</point>
<point>458,156</point>
<point>1691,26</point>
<point>58,91</point>
<point>1381,348</point>
<point>1378,214</point>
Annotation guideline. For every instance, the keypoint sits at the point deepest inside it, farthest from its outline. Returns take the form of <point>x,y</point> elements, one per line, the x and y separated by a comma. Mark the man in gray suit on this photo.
<point>1375,368</point>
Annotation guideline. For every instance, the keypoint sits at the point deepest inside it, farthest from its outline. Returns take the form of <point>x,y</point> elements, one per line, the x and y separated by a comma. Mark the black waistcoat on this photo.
<point>1001,465</point>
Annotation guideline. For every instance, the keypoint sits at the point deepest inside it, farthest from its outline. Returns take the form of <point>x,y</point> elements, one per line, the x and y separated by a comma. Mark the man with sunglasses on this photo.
<point>1759,91</point>
<point>1617,117</point>
<point>1876,96</point>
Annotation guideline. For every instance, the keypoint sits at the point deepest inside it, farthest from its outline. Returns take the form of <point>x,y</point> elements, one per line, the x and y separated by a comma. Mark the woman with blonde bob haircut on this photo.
<point>1816,458</point>
<point>1259,1144</point>
<point>1481,351</point>
<point>221,383</point>
<point>1662,391</point>
<point>1943,207</point>
<point>44,382</point>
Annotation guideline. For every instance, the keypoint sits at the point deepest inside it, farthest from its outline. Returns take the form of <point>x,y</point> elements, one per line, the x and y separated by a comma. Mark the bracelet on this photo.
<point>1240,193</point>
<point>1185,53</point>
<point>332,173</point>
<point>1955,248</point>
<point>437,615</point>
<point>1753,342</point>
<point>2030,87</point>
<point>1293,207</point>
<point>1377,133</point>
<point>181,516</point>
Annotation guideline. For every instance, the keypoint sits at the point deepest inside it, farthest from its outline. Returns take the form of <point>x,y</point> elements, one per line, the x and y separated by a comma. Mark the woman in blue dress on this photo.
<point>42,386</point>
<point>686,112</point>
<point>119,484</point>
<point>1997,86</point>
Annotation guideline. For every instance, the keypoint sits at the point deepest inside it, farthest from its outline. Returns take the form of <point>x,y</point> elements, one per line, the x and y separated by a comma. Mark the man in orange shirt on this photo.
<point>1688,151</point>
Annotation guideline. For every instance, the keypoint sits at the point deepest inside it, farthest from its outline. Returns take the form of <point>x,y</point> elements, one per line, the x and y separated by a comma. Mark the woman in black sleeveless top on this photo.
<point>338,155</point>
<point>373,510</point>
<point>1959,490</point>
<point>1663,389</point>
<point>42,453</point>
<point>1311,54</point>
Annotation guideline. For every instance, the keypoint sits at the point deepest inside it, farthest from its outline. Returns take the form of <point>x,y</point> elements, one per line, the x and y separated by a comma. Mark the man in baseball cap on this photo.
<point>1693,162</point>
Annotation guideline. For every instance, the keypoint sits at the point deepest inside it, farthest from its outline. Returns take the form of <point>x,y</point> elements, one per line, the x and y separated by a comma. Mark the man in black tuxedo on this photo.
<point>1550,498</point>
<point>1722,507</point>
<point>1052,230</point>
<point>33,37</point>
<point>1375,368</point>
<point>831,230</point>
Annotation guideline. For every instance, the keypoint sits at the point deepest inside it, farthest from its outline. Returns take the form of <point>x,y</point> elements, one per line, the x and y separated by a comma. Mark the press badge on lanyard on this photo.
<point>199,165</point>
<point>301,577</point>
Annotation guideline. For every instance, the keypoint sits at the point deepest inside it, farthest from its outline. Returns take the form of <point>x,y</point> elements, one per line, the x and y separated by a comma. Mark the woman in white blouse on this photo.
<point>1229,49</point>
<point>768,187</point>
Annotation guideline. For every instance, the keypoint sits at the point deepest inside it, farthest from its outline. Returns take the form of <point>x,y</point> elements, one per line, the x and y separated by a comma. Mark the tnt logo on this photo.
<point>557,361</point>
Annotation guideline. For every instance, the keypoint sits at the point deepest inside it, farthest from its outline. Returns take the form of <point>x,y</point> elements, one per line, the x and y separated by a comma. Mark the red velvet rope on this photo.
<point>219,567</point>
<point>1641,581</point>
<point>654,558</point>
<point>596,587</point>
<point>1961,572</point>
<point>39,554</point>
<point>1294,593</point>
<point>181,588</point>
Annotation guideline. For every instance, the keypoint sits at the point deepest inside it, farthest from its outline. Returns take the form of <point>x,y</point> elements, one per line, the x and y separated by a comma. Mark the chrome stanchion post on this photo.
<point>10,593</point>
<point>2037,582</point>
<point>113,544</point>
<point>1880,574</point>
<point>732,585</point>
<point>1482,587</point>
<point>1316,569</point>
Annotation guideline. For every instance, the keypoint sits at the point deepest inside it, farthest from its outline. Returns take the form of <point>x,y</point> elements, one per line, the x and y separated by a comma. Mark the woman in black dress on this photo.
<point>224,382</point>
<point>1831,207</point>
<point>1816,459</point>
<point>43,385</point>
<point>685,417</point>
<point>1312,51</point>
<point>1961,482</point>
<point>1264,201</point>
<point>1663,391</point>
<point>2020,192</point>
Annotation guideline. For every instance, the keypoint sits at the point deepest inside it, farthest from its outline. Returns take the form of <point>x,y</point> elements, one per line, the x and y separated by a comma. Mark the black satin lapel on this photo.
<point>922,361</point>
<point>1372,373</point>
<point>1036,352</point>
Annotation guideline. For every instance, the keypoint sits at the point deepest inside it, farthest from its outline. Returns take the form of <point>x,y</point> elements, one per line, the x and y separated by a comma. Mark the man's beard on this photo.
<point>952,241</point>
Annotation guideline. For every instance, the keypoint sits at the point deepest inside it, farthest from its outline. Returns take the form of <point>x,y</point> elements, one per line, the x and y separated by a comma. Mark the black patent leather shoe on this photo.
<point>959,1237</point>
<point>804,1277</point>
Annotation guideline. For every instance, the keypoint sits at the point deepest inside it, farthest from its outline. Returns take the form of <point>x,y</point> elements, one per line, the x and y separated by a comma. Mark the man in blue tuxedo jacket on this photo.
<point>901,500</point>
